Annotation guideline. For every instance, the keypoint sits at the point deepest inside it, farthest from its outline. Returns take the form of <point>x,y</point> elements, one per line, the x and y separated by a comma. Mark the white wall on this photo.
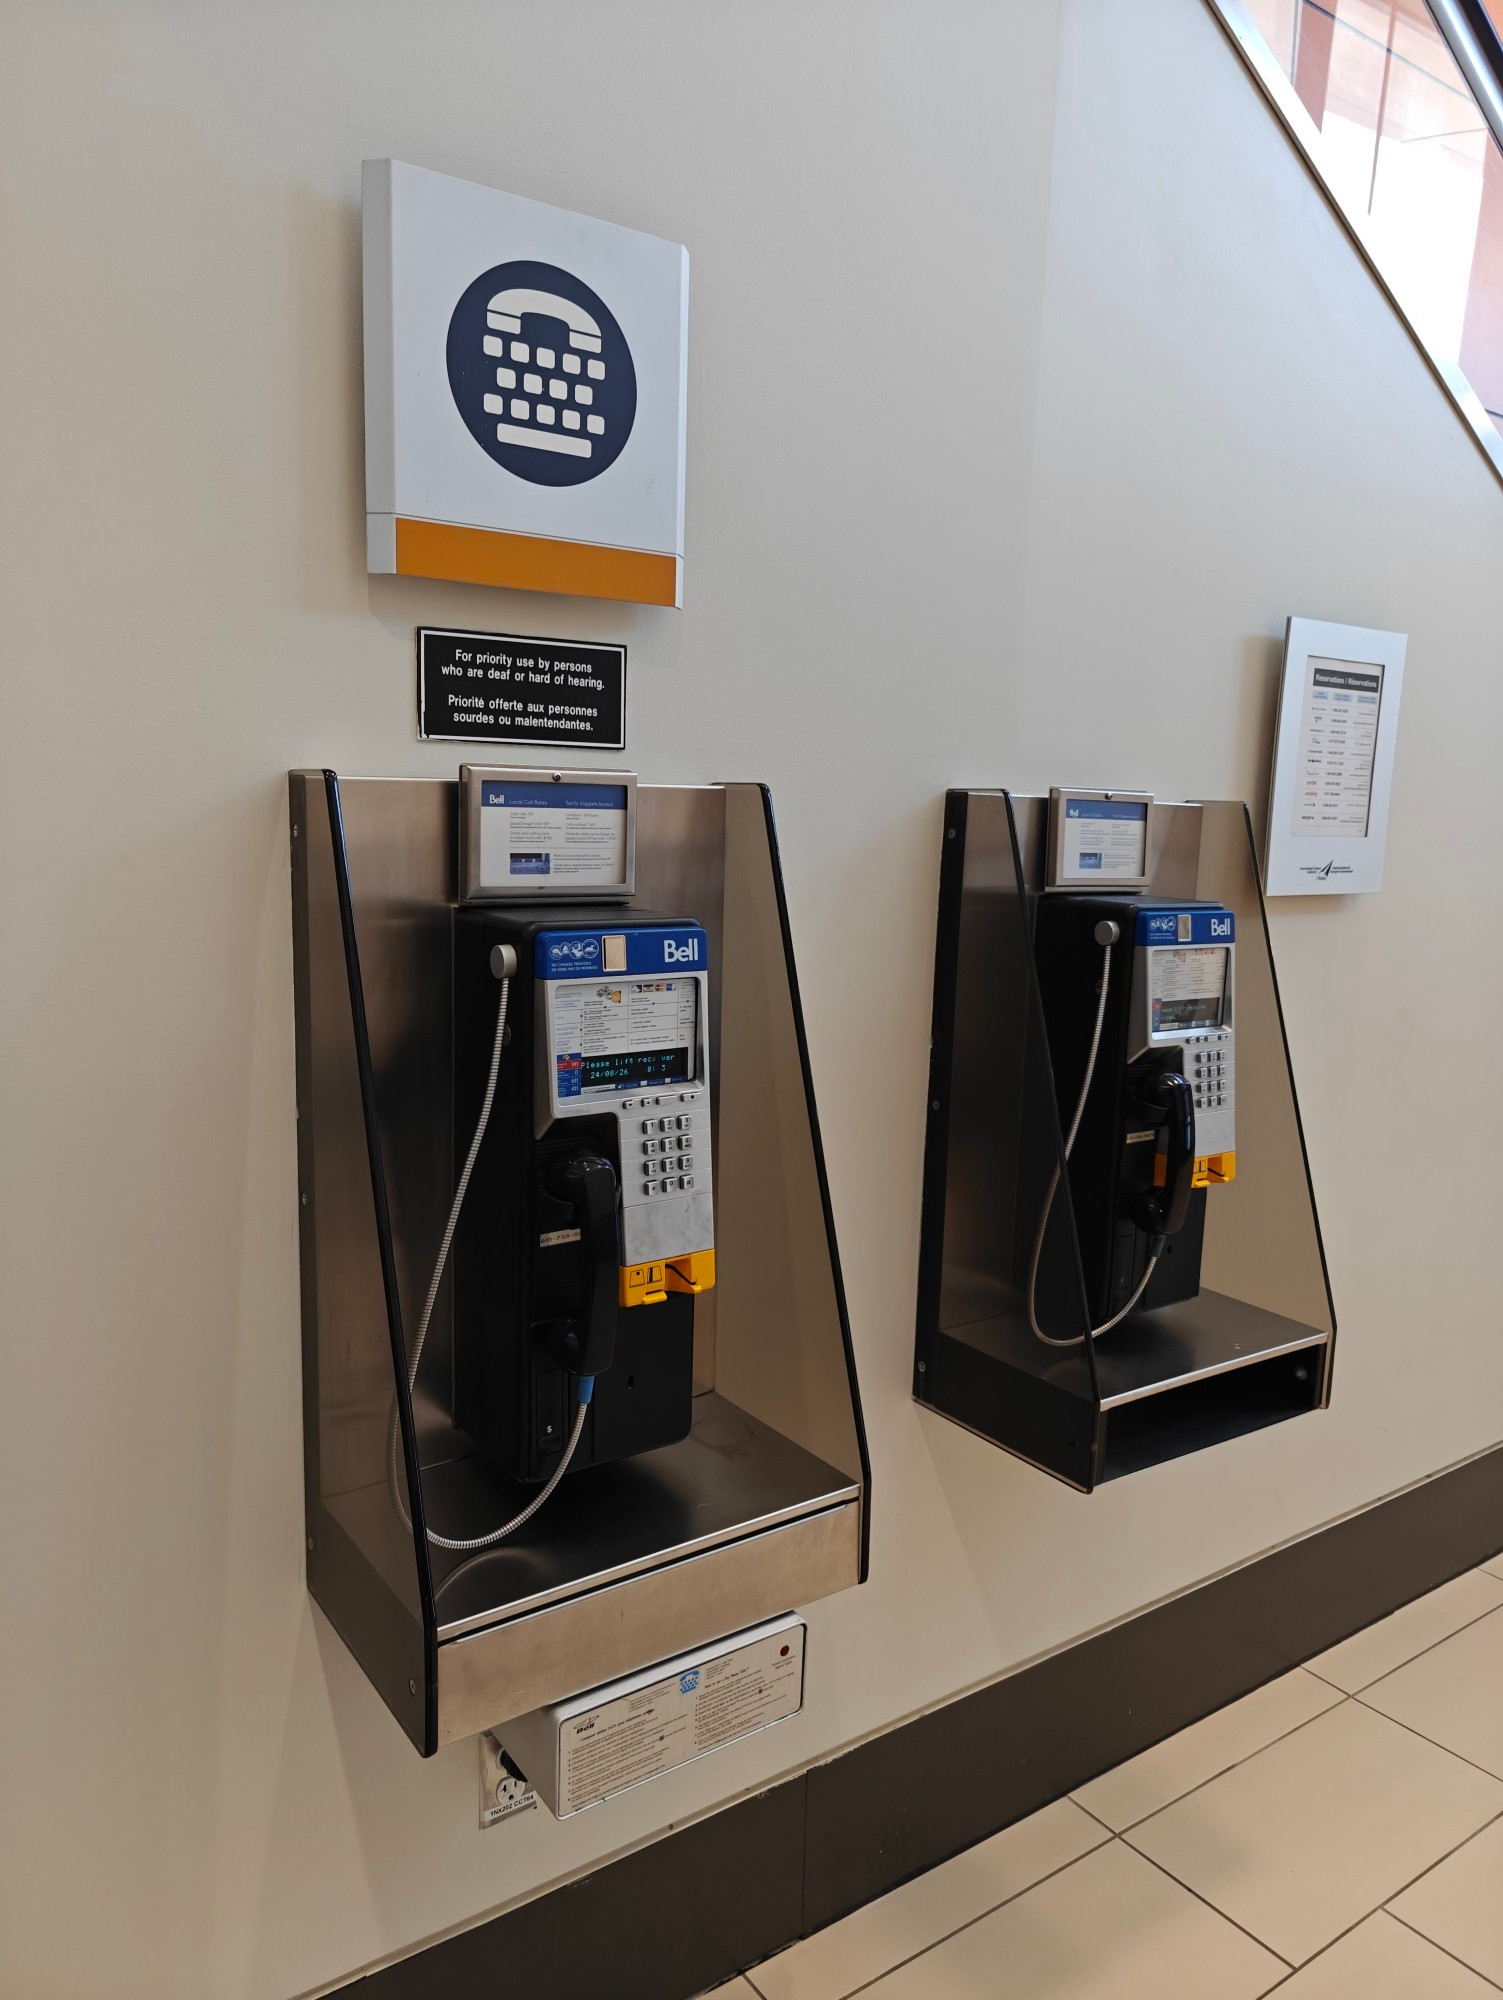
<point>1081,391</point>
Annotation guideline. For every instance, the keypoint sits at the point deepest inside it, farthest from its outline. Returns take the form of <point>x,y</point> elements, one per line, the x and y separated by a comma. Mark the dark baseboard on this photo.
<point>671,1919</point>
<point>698,1906</point>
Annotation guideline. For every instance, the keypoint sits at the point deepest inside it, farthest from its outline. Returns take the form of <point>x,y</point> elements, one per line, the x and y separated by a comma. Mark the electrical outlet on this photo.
<point>504,1792</point>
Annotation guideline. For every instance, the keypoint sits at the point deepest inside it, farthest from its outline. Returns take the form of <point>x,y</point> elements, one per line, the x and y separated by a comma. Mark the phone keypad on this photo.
<point>1210,1071</point>
<point>669,1163</point>
<point>668,1171</point>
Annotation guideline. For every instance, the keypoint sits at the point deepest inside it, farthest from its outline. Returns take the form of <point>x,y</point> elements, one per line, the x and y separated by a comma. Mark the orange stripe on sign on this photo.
<point>529,562</point>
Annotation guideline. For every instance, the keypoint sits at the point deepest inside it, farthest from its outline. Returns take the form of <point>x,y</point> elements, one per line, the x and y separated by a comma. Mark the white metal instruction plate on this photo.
<point>695,1707</point>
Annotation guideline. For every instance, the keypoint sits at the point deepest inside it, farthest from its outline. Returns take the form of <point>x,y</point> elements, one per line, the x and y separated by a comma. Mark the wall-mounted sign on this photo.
<point>525,378</point>
<point>500,688</point>
<point>1333,759</point>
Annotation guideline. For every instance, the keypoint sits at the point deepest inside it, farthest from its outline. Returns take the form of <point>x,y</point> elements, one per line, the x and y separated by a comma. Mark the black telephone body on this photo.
<point>587,1232</point>
<point>1156,1127</point>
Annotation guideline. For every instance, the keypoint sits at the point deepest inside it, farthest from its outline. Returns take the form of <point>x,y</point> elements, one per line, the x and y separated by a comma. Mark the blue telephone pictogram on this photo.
<point>541,373</point>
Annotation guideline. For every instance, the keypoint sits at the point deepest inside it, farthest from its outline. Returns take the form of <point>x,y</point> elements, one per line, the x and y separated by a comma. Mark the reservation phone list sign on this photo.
<point>1338,745</point>
<point>1338,712</point>
<point>497,687</point>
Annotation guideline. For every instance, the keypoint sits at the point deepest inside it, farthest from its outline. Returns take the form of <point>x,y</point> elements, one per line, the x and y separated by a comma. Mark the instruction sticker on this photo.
<point>690,1711</point>
<point>1106,838</point>
<point>570,834</point>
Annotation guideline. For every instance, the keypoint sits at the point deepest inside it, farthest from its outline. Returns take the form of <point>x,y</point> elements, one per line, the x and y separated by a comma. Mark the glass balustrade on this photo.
<point>1398,109</point>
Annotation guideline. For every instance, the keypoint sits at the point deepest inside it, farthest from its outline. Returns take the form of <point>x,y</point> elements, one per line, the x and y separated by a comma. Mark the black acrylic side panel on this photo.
<point>366,1571</point>
<point>1247,1345</point>
<point>1051,1424</point>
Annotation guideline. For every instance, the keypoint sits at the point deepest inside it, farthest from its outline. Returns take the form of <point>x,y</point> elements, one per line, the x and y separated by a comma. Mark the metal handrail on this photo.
<point>1475,57</point>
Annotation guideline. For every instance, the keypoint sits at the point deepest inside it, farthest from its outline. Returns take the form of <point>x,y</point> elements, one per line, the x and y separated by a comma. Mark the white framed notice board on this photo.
<point>1333,759</point>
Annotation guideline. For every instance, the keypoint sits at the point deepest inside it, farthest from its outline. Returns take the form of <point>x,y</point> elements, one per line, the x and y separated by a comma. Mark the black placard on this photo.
<point>500,687</point>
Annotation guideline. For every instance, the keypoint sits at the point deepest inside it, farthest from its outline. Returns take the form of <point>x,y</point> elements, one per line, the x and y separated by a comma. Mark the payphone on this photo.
<point>1094,1293</point>
<point>582,1224</point>
<point>589,1231</point>
<point>1138,1008</point>
<point>532,1010</point>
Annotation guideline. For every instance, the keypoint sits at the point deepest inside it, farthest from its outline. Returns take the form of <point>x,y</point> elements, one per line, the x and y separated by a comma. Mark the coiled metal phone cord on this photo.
<point>586,1382</point>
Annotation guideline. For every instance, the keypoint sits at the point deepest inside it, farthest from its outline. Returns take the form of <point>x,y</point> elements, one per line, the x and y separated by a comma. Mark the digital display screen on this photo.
<point>638,1070</point>
<point>1204,1013</point>
<point>616,1035</point>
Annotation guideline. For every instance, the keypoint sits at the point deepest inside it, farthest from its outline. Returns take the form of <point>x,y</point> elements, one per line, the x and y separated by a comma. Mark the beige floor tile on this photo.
<point>1460,1903</point>
<point>1494,1564</point>
<point>1146,1783</point>
<point>1453,1694</point>
<point>1313,1833</point>
<point>1380,1960</point>
<point>736,1990</point>
<point>872,1940</point>
<point>1109,1928</point>
<point>1370,1654</point>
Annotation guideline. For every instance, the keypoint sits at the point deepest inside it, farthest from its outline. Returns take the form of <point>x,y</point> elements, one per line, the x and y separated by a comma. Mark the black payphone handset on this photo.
<point>581,1067</point>
<point>1137,997</point>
